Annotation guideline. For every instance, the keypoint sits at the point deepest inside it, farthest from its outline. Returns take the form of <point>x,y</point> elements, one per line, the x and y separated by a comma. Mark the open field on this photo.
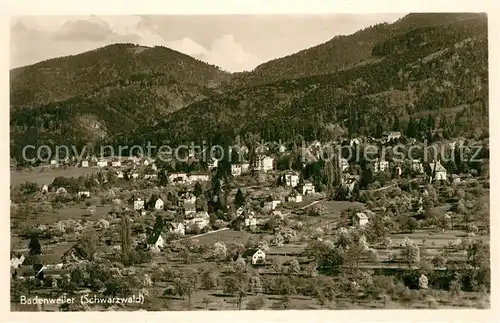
<point>46,175</point>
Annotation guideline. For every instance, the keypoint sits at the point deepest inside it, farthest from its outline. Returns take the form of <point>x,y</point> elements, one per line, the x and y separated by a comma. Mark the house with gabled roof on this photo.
<point>257,256</point>
<point>178,228</point>
<point>438,172</point>
<point>155,241</point>
<point>16,259</point>
<point>270,203</point>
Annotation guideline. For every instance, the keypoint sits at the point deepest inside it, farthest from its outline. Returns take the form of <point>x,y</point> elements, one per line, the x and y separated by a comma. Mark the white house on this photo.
<point>138,204</point>
<point>45,189</point>
<point>294,197</point>
<point>85,163</point>
<point>270,203</point>
<point>282,148</point>
<point>178,227</point>
<point>119,174</point>
<point>438,170</point>
<point>308,188</point>
<point>360,219</point>
<point>84,194</point>
<point>398,171</point>
<point>156,241</point>
<point>159,204</point>
<point>116,163</point>
<point>102,163</point>
<point>264,164</point>
<point>380,166</point>
<point>236,170</point>
<point>290,178</point>
<point>259,257</point>
<point>53,162</point>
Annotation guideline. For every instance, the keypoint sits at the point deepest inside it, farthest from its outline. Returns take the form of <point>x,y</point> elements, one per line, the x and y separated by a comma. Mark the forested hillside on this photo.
<point>61,78</point>
<point>346,51</point>
<point>430,81</point>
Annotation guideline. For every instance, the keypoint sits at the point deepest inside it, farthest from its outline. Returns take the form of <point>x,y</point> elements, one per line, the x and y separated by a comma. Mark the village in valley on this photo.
<point>264,226</point>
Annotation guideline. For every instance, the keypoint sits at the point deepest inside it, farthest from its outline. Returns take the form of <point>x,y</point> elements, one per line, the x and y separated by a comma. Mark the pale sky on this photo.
<point>233,42</point>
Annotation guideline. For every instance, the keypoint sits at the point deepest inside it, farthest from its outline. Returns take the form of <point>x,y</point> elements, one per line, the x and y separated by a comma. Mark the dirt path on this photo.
<point>310,204</point>
<point>202,234</point>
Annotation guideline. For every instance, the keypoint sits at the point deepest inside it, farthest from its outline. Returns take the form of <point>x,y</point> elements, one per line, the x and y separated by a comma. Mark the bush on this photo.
<point>256,303</point>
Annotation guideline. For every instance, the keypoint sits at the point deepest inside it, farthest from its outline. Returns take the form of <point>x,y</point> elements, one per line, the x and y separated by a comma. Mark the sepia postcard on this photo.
<point>245,162</point>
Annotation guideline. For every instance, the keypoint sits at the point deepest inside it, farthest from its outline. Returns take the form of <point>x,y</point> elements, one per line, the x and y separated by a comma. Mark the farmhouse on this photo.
<point>45,189</point>
<point>290,178</point>
<point>119,174</point>
<point>281,148</point>
<point>85,163</point>
<point>360,219</point>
